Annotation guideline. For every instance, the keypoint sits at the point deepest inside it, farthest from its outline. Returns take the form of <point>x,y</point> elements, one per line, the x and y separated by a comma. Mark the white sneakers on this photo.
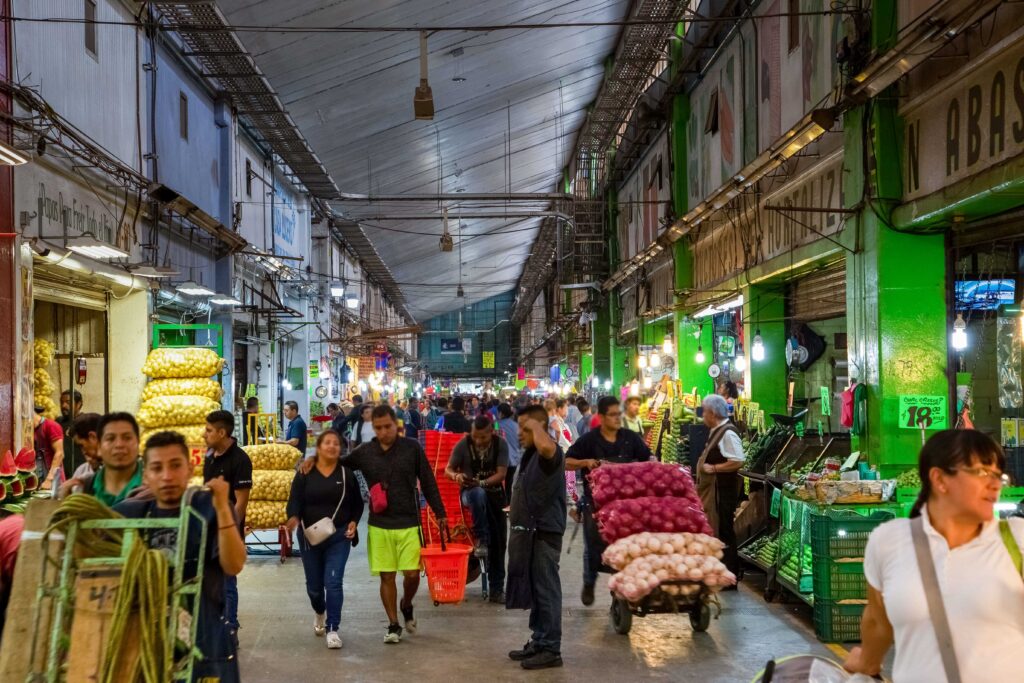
<point>320,625</point>
<point>333,641</point>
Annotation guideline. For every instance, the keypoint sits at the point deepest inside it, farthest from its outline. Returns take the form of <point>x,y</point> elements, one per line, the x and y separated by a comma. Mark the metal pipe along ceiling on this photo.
<point>496,326</point>
<point>455,197</point>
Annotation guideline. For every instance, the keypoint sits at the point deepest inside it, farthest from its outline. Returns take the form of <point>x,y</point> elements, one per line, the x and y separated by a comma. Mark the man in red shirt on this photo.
<point>49,444</point>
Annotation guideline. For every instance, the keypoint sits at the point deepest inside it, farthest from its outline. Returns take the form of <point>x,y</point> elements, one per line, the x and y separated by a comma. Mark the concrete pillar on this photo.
<point>129,332</point>
<point>897,315</point>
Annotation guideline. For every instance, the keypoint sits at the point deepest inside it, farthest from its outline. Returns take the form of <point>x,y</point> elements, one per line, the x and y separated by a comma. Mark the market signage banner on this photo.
<point>645,199</point>
<point>760,235</point>
<point>974,120</point>
<point>455,346</point>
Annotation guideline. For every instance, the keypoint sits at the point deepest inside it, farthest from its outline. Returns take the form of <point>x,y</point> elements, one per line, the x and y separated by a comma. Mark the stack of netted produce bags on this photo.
<point>651,515</point>
<point>273,468</point>
<point>180,393</point>
<point>42,384</point>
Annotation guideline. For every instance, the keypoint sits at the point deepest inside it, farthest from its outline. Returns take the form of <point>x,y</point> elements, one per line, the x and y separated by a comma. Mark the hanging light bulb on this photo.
<point>757,350</point>
<point>740,363</point>
<point>607,385</point>
<point>641,361</point>
<point>700,358</point>
<point>667,347</point>
<point>594,381</point>
<point>648,382</point>
<point>655,360</point>
<point>634,388</point>
<point>959,333</point>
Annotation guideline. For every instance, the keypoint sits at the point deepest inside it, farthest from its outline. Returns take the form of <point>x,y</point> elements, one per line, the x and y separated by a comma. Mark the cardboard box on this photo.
<point>17,659</point>
<point>95,595</point>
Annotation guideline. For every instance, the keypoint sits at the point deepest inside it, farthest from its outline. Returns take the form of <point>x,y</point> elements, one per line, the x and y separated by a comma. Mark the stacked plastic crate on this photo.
<point>438,446</point>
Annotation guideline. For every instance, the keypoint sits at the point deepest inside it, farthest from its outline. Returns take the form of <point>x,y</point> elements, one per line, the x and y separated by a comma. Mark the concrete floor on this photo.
<point>470,641</point>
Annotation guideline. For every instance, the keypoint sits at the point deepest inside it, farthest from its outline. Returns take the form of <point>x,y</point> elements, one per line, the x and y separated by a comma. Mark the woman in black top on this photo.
<point>328,490</point>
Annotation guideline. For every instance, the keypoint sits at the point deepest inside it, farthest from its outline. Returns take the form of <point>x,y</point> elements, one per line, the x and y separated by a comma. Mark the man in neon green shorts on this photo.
<point>395,463</point>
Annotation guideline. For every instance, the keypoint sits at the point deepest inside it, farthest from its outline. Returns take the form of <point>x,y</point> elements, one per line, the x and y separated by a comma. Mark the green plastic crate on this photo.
<point>837,623</point>
<point>839,580</point>
<point>840,533</point>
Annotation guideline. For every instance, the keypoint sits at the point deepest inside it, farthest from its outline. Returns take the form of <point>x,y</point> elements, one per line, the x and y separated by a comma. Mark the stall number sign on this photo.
<point>928,412</point>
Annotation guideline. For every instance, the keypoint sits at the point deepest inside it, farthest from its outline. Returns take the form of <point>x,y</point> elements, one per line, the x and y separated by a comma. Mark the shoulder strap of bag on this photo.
<point>1011,546</point>
<point>936,608</point>
<point>344,485</point>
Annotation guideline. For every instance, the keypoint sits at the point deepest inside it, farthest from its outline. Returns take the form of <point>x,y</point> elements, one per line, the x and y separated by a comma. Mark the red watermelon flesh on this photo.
<point>25,461</point>
<point>7,466</point>
<point>29,480</point>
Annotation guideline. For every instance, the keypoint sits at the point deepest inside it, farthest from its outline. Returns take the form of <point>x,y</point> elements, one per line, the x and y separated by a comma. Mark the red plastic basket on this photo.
<point>446,565</point>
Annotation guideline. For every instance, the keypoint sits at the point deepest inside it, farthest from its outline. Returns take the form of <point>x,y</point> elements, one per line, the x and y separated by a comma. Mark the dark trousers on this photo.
<point>546,614</point>
<point>324,566</point>
<point>231,602</point>
<point>726,500</point>
<point>510,476</point>
<point>497,520</point>
<point>591,553</point>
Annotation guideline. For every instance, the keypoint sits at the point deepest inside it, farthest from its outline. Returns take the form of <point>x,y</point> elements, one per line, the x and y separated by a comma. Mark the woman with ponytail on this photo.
<point>956,615</point>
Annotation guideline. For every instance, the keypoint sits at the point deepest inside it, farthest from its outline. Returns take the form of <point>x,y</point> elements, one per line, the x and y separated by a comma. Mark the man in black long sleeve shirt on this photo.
<point>397,464</point>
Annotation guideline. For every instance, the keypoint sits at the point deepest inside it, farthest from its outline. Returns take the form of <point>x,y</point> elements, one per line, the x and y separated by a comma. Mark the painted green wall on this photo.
<point>764,309</point>
<point>896,307</point>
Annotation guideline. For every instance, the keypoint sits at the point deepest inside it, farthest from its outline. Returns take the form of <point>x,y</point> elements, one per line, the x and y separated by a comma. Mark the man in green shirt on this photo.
<point>121,472</point>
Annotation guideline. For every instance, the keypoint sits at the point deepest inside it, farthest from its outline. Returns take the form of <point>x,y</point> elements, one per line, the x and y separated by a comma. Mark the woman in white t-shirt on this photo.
<point>982,590</point>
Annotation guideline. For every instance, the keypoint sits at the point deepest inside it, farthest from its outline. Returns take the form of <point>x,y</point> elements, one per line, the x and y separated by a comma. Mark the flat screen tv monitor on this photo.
<point>984,295</point>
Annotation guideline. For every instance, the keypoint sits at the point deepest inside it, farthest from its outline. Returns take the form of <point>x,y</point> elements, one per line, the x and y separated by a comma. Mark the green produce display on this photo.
<point>765,550</point>
<point>909,479</point>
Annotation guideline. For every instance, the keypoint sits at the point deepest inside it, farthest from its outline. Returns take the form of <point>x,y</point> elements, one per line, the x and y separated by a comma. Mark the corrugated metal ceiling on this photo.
<point>351,96</point>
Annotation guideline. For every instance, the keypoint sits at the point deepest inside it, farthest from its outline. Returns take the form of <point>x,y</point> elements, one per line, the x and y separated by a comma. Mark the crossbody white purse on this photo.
<point>324,527</point>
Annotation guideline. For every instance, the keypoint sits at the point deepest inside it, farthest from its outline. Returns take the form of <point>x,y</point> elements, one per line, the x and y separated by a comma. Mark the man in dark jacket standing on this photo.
<point>395,464</point>
<point>455,421</point>
<point>537,520</point>
<point>341,422</point>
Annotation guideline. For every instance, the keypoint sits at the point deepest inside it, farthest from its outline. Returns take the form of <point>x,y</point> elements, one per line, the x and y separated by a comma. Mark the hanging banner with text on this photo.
<point>928,412</point>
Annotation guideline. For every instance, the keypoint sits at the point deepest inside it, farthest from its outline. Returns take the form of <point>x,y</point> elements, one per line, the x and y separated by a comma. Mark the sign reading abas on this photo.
<point>928,412</point>
<point>971,123</point>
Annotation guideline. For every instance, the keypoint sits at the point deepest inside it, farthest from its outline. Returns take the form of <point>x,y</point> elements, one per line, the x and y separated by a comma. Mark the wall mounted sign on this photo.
<point>928,412</point>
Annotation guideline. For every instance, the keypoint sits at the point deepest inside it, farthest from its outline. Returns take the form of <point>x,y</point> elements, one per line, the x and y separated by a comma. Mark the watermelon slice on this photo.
<point>3,491</point>
<point>15,489</point>
<point>25,461</point>
<point>29,481</point>
<point>7,466</point>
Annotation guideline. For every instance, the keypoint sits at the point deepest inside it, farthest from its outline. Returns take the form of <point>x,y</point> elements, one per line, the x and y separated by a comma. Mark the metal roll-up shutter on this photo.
<point>58,287</point>
<point>820,295</point>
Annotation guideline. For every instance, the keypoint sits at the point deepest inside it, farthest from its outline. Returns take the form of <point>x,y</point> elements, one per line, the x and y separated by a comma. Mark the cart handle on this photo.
<point>442,531</point>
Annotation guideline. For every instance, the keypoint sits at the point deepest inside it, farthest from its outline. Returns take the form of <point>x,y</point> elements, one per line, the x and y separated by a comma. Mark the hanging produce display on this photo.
<point>42,385</point>
<point>167,362</point>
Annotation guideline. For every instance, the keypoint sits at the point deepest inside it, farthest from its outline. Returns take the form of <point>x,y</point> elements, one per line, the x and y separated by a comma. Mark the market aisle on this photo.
<point>470,641</point>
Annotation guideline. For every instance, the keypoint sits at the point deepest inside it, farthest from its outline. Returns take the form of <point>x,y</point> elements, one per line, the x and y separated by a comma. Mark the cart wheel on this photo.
<point>622,617</point>
<point>436,603</point>
<point>700,618</point>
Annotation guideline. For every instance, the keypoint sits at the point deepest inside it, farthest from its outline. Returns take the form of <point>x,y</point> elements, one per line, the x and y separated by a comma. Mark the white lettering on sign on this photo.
<point>760,235</point>
<point>972,123</point>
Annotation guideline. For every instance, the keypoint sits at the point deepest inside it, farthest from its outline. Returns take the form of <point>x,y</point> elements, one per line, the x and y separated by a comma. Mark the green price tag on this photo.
<point>776,502</point>
<point>826,401</point>
<point>923,412</point>
<point>314,369</point>
<point>799,429</point>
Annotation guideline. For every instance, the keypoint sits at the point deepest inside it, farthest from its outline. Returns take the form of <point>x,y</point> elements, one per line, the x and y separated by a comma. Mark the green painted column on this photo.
<point>896,283</point>
<point>693,374</point>
<point>764,311</point>
<point>690,372</point>
<point>601,340</point>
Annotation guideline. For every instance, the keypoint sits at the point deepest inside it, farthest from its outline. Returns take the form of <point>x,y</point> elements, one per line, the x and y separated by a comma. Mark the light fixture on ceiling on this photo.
<point>337,289</point>
<point>10,156</point>
<point>224,300</point>
<point>351,301</point>
<point>153,272</point>
<point>193,288</point>
<point>447,243</point>
<point>423,99</point>
<point>86,244</point>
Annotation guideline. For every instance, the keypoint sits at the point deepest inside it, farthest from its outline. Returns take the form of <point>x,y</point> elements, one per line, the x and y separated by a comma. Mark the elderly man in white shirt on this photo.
<point>717,480</point>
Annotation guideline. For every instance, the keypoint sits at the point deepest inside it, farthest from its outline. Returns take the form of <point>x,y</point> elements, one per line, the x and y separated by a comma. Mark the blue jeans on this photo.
<point>231,602</point>
<point>324,566</point>
<point>546,614</point>
<point>476,500</point>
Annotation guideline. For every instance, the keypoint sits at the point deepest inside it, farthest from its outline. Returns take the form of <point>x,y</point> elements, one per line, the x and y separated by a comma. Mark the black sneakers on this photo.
<point>498,597</point>
<point>542,660</point>
<point>520,655</point>
<point>587,594</point>
<point>410,620</point>
<point>394,634</point>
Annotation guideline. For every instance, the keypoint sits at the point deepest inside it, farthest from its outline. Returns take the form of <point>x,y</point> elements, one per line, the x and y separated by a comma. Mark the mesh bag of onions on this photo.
<point>646,560</point>
<point>639,480</point>
<point>623,518</point>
